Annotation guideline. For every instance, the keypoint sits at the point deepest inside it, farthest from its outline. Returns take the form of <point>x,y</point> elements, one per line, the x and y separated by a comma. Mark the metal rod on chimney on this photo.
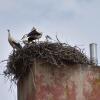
<point>93,53</point>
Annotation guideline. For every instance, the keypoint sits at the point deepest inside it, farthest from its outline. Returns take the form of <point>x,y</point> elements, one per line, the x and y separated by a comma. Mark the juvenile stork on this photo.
<point>16,45</point>
<point>34,35</point>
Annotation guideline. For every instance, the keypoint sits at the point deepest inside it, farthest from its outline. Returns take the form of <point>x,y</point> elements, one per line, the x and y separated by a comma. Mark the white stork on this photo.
<point>16,45</point>
<point>33,35</point>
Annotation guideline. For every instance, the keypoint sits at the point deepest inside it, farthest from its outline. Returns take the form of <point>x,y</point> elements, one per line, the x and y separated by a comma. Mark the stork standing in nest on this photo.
<point>33,35</point>
<point>15,44</point>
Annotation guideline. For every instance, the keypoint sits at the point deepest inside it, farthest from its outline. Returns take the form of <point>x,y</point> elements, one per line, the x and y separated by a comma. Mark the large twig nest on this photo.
<point>57,54</point>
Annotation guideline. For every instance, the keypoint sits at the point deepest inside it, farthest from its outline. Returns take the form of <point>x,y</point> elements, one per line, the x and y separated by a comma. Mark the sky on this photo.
<point>76,22</point>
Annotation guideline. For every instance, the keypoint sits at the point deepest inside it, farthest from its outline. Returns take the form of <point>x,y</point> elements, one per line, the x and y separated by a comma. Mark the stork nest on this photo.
<point>58,54</point>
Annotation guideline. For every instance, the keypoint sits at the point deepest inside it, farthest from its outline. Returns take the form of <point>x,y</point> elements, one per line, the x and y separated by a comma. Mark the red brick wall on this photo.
<point>72,82</point>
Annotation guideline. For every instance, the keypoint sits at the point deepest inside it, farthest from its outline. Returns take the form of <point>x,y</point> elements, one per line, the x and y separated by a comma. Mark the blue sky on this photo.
<point>74,21</point>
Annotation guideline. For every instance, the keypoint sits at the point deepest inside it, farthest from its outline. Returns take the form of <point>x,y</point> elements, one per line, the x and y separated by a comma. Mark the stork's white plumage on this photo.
<point>24,39</point>
<point>13,42</point>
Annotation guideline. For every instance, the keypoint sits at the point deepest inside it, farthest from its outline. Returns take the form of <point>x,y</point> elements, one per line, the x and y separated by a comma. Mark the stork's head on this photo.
<point>33,29</point>
<point>8,30</point>
<point>8,33</point>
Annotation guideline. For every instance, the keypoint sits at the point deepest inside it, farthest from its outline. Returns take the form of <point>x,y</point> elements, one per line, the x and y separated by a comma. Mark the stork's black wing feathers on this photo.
<point>17,44</point>
<point>34,32</point>
<point>30,34</point>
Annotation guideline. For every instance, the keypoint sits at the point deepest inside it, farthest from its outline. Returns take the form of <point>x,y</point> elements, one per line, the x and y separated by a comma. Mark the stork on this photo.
<point>16,45</point>
<point>33,35</point>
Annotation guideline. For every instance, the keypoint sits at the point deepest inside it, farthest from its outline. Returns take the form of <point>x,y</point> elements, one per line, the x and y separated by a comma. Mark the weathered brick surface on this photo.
<point>72,82</point>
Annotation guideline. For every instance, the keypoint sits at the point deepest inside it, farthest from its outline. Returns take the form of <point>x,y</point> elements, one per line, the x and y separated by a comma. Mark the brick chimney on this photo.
<point>70,82</point>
